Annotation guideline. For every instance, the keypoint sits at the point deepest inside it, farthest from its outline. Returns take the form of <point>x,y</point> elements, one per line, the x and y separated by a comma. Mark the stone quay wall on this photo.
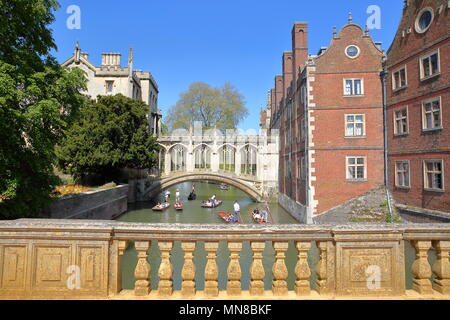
<point>82,259</point>
<point>298,211</point>
<point>99,205</point>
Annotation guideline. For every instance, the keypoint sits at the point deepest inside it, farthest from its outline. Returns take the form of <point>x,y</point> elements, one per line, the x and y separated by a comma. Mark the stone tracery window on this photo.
<point>249,160</point>
<point>178,158</point>
<point>202,157</point>
<point>227,158</point>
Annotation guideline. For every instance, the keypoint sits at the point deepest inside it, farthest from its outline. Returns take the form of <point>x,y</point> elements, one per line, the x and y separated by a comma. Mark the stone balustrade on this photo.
<point>61,259</point>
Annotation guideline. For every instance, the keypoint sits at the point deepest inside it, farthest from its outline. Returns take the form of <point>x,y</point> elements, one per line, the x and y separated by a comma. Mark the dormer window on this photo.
<point>424,20</point>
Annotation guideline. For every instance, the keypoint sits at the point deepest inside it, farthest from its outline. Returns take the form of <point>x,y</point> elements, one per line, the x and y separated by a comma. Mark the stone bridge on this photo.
<point>247,162</point>
<point>249,185</point>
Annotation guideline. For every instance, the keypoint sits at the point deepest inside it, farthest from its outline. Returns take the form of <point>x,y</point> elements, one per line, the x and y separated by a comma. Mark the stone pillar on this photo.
<point>215,159</point>
<point>257,269</point>
<point>237,161</point>
<point>167,162</point>
<point>188,271</point>
<point>211,270</point>
<point>165,272</point>
<point>142,271</point>
<point>190,157</point>
<point>421,268</point>
<point>234,269</point>
<point>302,270</point>
<point>441,267</point>
<point>280,272</point>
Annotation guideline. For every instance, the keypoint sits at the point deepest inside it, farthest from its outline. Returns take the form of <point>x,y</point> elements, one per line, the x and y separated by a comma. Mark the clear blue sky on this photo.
<point>239,41</point>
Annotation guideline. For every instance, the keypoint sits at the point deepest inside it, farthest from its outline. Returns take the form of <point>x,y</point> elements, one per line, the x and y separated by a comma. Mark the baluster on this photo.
<point>441,267</point>
<point>234,269</point>
<point>188,271</point>
<point>322,267</point>
<point>211,270</point>
<point>142,272</point>
<point>257,269</point>
<point>421,268</point>
<point>117,250</point>
<point>280,272</point>
<point>165,272</point>
<point>302,270</point>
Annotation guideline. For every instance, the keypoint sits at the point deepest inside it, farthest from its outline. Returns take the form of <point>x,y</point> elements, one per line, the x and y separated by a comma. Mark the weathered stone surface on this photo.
<point>257,269</point>
<point>98,205</point>
<point>66,259</point>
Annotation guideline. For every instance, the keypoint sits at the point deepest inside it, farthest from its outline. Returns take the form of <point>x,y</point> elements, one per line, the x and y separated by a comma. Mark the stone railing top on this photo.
<point>146,231</point>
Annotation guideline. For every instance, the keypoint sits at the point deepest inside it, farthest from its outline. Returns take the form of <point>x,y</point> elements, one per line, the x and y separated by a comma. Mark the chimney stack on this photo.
<point>288,65</point>
<point>111,59</point>
<point>299,46</point>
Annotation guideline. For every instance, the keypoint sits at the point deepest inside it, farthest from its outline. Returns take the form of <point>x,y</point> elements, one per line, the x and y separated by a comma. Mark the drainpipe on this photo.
<point>383,76</point>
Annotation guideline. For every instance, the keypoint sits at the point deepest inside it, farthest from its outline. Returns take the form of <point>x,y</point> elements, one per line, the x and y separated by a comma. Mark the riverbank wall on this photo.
<point>97,205</point>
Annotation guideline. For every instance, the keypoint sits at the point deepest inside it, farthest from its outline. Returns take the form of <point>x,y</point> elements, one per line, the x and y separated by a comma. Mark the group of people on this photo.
<point>177,196</point>
<point>261,215</point>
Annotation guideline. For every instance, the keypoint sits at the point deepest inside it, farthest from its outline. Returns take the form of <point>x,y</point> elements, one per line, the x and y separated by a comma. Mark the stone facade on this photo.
<point>249,162</point>
<point>418,93</point>
<point>111,78</point>
<point>329,112</point>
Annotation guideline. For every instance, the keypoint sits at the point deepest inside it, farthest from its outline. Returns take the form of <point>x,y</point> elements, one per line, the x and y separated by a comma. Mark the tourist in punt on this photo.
<point>167,196</point>
<point>237,211</point>
<point>257,214</point>
<point>177,196</point>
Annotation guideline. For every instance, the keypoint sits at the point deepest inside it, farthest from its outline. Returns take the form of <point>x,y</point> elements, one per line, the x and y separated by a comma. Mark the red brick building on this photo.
<point>330,117</point>
<point>418,94</point>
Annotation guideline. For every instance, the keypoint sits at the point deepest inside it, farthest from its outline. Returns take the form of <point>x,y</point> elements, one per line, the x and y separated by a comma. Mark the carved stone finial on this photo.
<point>350,18</point>
<point>334,32</point>
<point>77,53</point>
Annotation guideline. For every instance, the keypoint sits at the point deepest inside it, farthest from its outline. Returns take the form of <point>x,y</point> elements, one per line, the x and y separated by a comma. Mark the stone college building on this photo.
<point>111,78</point>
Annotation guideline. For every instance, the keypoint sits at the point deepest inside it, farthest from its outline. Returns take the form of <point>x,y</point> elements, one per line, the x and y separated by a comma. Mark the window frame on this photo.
<point>424,119</point>
<point>363,122</point>
<point>426,187</point>
<point>353,87</point>
<point>417,21</point>
<point>351,179</point>
<point>396,132</point>
<point>397,185</point>
<point>352,45</point>
<point>422,69</point>
<point>107,82</point>
<point>394,82</point>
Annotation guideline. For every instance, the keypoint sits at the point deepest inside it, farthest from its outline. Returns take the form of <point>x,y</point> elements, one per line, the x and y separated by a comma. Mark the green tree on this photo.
<point>222,107</point>
<point>38,101</point>
<point>110,135</point>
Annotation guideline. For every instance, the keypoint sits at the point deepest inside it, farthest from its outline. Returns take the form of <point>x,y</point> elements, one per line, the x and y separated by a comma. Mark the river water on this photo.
<point>194,214</point>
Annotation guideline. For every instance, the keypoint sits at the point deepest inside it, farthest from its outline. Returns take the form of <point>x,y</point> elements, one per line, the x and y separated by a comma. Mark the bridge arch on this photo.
<point>168,182</point>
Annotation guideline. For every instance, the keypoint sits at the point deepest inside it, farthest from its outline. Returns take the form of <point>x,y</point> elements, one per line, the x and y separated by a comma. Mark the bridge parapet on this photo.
<point>62,259</point>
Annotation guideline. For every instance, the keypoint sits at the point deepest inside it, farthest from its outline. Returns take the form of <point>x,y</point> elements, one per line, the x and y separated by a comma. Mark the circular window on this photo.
<point>352,52</point>
<point>424,20</point>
